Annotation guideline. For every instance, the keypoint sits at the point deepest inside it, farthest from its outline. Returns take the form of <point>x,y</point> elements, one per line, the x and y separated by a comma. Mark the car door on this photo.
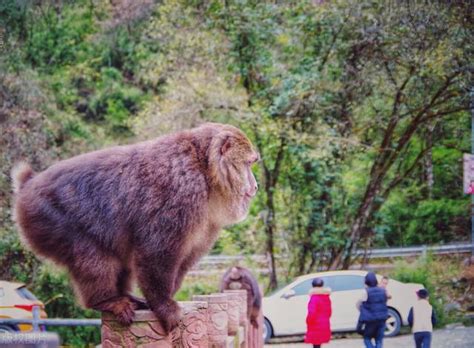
<point>346,291</point>
<point>292,309</point>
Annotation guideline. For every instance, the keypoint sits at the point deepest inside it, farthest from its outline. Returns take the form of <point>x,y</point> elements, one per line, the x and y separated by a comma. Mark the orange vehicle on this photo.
<point>16,302</point>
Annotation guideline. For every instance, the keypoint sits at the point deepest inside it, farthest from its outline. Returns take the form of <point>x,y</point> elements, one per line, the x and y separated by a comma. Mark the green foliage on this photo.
<point>195,288</point>
<point>57,36</point>
<point>54,288</point>
<point>435,276</point>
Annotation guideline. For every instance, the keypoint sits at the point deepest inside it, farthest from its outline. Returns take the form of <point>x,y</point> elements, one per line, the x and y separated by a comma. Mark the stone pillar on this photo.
<point>192,329</point>
<point>218,318</point>
<point>242,304</point>
<point>243,320</point>
<point>144,332</point>
<point>233,313</point>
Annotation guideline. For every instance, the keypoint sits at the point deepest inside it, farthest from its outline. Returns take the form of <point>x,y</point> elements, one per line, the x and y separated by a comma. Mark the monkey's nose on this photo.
<point>253,191</point>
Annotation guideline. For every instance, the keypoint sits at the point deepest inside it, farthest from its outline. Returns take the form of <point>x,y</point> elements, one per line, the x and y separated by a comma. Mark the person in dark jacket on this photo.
<point>319,313</point>
<point>421,319</point>
<point>373,313</point>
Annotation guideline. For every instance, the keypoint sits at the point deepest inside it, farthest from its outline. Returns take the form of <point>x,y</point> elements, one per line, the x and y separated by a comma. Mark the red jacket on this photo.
<point>317,320</point>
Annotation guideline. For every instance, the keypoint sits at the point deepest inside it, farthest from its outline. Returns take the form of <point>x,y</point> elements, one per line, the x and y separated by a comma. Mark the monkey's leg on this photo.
<point>186,264</point>
<point>156,273</point>
<point>96,278</point>
<point>124,286</point>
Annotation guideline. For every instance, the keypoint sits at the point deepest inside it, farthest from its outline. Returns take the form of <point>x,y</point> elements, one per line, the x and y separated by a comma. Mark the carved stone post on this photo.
<point>243,321</point>
<point>145,332</point>
<point>192,329</point>
<point>242,304</point>
<point>218,318</point>
<point>233,312</point>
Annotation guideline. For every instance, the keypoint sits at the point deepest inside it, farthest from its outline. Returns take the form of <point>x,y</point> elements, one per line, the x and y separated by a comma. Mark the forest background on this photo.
<point>360,111</point>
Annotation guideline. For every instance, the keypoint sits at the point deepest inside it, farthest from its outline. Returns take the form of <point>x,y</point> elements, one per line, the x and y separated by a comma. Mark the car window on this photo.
<point>346,282</point>
<point>26,294</point>
<point>303,287</point>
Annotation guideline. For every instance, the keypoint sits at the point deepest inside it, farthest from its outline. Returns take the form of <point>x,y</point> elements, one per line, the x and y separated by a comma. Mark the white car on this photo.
<point>285,310</point>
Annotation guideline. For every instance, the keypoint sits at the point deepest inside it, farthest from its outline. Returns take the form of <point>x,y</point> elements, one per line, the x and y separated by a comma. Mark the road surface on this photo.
<point>457,337</point>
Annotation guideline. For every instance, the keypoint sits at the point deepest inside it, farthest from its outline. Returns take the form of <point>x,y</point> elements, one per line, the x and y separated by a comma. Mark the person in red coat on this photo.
<point>319,312</point>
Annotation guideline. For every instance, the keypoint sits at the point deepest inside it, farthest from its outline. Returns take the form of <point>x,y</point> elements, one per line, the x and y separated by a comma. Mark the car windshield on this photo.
<point>26,294</point>
<point>276,290</point>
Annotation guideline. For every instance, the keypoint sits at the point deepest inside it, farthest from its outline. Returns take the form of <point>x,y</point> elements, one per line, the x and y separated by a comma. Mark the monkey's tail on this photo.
<point>20,174</point>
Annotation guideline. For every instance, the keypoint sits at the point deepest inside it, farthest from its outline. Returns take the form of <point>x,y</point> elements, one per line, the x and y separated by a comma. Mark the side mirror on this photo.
<point>288,294</point>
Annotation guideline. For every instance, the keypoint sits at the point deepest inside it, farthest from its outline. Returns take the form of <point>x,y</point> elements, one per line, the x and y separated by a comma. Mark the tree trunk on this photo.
<point>269,231</point>
<point>428,164</point>
<point>364,213</point>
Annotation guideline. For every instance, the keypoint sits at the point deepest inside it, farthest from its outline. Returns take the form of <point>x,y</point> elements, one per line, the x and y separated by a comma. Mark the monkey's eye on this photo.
<point>251,162</point>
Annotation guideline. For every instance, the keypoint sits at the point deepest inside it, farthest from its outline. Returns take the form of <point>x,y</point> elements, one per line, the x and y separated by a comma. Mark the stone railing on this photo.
<point>214,321</point>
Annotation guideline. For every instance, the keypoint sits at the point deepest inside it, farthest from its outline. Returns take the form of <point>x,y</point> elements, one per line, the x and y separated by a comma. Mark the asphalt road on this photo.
<point>458,337</point>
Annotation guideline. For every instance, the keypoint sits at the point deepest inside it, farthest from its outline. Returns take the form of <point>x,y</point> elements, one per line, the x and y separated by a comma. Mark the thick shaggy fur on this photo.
<point>149,209</point>
<point>240,278</point>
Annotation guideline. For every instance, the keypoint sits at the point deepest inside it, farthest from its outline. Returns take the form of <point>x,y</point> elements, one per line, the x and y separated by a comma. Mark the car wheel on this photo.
<point>267,330</point>
<point>6,329</point>
<point>393,323</point>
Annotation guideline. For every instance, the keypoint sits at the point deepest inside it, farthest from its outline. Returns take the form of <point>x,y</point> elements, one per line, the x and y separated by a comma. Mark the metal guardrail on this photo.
<point>418,250</point>
<point>212,260</point>
<point>36,322</point>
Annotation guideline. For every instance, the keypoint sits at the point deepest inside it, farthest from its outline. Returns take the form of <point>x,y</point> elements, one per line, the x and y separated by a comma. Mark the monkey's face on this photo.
<point>244,185</point>
<point>233,172</point>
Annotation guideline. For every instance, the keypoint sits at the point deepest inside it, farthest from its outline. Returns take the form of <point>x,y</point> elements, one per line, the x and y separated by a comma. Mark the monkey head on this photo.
<point>231,157</point>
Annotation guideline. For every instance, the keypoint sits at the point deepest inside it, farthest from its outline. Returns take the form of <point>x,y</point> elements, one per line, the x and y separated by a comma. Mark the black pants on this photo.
<point>316,346</point>
<point>422,339</point>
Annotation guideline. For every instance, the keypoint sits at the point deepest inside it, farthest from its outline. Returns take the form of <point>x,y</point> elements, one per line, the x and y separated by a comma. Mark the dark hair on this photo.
<point>371,279</point>
<point>317,282</point>
<point>422,293</point>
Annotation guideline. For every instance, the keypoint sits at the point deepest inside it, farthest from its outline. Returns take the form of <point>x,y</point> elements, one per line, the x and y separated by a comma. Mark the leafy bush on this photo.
<point>425,270</point>
<point>112,100</point>
<point>54,289</point>
<point>57,37</point>
<point>195,288</point>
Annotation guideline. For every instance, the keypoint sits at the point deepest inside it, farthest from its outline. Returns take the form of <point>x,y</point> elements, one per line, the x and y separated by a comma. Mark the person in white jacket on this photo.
<point>421,319</point>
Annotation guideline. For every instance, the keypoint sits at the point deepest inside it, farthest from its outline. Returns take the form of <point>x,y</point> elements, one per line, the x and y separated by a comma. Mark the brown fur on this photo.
<point>151,209</point>
<point>240,278</point>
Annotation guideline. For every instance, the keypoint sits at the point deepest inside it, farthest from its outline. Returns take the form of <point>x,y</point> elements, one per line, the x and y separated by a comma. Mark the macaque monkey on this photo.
<point>145,212</point>
<point>240,278</point>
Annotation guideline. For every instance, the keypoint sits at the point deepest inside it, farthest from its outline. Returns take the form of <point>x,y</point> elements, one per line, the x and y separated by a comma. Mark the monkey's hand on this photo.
<point>254,322</point>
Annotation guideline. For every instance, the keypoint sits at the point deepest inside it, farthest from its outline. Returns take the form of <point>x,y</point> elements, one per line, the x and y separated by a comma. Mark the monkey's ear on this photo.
<point>221,144</point>
<point>227,144</point>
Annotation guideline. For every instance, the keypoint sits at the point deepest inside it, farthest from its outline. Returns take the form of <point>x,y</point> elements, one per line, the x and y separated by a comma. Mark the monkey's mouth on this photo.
<point>245,202</point>
<point>247,198</point>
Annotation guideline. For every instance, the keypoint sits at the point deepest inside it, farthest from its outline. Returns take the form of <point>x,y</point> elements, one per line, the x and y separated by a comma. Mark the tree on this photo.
<point>420,53</point>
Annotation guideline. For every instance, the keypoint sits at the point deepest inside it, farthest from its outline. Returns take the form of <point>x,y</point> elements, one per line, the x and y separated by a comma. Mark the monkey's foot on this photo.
<point>139,303</point>
<point>124,310</point>
<point>122,307</point>
<point>169,315</point>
